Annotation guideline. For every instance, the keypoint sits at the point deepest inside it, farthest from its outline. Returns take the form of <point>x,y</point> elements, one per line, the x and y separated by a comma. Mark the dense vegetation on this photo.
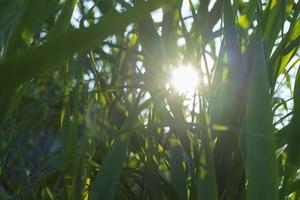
<point>85,112</point>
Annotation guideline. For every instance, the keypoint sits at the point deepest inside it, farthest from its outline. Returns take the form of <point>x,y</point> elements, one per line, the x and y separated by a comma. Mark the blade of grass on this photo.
<point>9,11</point>
<point>25,66</point>
<point>178,175</point>
<point>261,166</point>
<point>62,23</point>
<point>293,137</point>
<point>107,179</point>
<point>206,171</point>
<point>34,14</point>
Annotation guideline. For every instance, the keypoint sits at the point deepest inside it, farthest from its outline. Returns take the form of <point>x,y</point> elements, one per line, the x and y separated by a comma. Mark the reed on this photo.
<point>88,112</point>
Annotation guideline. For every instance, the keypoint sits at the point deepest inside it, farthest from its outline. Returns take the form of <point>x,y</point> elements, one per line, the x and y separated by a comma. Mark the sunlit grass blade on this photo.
<point>273,19</point>
<point>282,54</point>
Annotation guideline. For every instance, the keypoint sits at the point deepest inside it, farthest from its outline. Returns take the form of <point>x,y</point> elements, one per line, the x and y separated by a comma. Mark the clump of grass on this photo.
<point>86,114</point>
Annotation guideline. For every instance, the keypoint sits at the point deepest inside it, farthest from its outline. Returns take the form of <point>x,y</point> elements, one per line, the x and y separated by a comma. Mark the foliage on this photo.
<point>86,114</point>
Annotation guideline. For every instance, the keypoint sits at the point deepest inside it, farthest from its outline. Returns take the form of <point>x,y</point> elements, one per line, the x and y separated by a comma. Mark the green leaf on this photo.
<point>294,137</point>
<point>178,175</point>
<point>261,166</point>
<point>25,65</point>
<point>9,11</point>
<point>107,179</point>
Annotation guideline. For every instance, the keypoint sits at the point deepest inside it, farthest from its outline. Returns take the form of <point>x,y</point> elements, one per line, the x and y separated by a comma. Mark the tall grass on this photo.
<point>86,113</point>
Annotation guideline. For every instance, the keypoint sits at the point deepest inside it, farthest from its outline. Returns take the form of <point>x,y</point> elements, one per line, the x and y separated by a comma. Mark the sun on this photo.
<point>184,79</point>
